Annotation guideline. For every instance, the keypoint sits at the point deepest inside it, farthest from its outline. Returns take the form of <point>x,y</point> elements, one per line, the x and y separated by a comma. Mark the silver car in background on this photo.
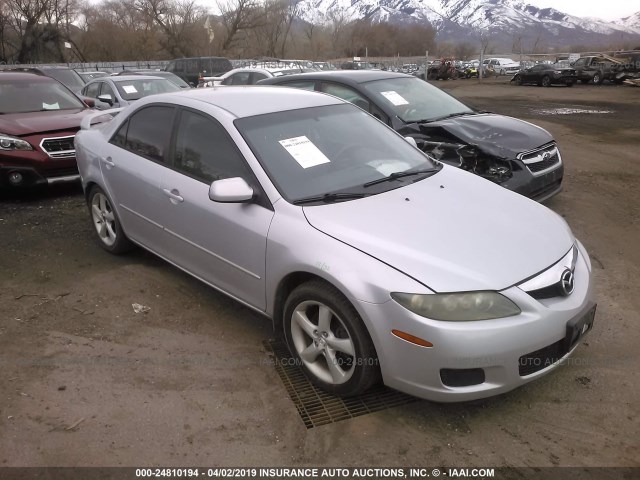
<point>375,261</point>
<point>120,91</point>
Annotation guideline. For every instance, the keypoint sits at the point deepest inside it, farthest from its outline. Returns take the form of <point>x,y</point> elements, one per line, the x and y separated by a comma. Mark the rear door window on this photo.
<point>149,132</point>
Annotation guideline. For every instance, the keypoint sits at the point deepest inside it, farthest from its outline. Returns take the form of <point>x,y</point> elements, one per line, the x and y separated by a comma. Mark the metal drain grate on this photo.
<point>317,407</point>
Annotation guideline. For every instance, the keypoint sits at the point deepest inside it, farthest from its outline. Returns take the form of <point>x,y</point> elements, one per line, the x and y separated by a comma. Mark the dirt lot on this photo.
<point>86,381</point>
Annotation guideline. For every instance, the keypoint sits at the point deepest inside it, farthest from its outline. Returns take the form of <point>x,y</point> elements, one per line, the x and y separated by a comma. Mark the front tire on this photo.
<point>598,79</point>
<point>546,81</point>
<point>518,80</point>
<point>327,336</point>
<point>106,224</point>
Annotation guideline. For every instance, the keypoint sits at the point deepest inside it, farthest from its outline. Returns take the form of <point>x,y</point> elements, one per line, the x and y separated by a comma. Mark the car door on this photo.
<point>132,167</point>
<point>224,244</point>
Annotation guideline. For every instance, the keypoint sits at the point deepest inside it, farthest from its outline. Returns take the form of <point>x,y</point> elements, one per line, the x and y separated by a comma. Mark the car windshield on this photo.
<point>138,88</point>
<point>69,78</point>
<point>330,149</point>
<point>414,100</point>
<point>35,96</point>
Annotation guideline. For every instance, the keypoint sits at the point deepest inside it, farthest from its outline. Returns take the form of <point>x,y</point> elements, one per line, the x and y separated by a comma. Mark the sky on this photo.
<point>604,9</point>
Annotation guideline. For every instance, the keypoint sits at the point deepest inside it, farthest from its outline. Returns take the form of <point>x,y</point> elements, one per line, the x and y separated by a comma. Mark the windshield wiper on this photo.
<point>451,115</point>
<point>396,175</point>
<point>329,197</point>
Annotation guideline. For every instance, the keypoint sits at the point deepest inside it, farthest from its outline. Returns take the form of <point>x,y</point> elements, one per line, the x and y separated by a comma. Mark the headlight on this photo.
<point>458,307</point>
<point>11,143</point>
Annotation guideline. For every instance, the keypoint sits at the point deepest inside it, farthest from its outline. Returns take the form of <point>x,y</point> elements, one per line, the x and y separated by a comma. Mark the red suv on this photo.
<point>39,118</point>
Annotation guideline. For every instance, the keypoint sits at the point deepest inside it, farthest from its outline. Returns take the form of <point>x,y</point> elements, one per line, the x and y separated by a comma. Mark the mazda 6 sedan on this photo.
<point>375,261</point>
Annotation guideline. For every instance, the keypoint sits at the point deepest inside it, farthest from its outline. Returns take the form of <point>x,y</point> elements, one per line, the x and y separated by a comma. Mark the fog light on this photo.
<point>15,178</point>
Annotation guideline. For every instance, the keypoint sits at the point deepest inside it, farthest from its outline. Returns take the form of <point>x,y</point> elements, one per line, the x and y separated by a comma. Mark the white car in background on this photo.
<point>502,66</point>
<point>252,75</point>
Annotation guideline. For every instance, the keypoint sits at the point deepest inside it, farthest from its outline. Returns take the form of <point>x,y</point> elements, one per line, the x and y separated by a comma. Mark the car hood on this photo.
<point>452,232</point>
<point>497,135</point>
<point>22,124</point>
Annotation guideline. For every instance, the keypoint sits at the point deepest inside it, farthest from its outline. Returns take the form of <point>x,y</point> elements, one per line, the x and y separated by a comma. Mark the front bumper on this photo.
<point>494,347</point>
<point>538,188</point>
<point>564,79</point>
<point>34,177</point>
<point>37,167</point>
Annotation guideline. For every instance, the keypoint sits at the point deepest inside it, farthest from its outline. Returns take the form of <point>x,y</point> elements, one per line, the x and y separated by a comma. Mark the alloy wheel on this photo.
<point>103,219</point>
<point>322,342</point>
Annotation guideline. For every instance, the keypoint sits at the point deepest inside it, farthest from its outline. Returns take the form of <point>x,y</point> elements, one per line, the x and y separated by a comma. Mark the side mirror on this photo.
<point>230,190</point>
<point>89,102</point>
<point>106,99</point>
<point>411,141</point>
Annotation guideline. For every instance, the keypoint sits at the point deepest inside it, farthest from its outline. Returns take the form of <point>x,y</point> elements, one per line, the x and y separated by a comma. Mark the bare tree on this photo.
<point>465,50</point>
<point>178,20</point>
<point>236,16</point>
<point>26,16</point>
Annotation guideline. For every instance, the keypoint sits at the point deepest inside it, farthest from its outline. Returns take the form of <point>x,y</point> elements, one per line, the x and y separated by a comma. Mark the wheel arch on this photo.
<point>286,285</point>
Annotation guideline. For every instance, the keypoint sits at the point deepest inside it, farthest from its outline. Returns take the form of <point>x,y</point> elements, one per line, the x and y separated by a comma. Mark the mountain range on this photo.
<point>504,21</point>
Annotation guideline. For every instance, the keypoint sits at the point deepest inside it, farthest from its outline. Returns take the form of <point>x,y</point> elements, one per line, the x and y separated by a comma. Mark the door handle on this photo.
<point>108,162</point>
<point>174,195</point>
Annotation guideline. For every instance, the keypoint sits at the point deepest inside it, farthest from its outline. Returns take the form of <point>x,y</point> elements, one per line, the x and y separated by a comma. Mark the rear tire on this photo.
<point>327,337</point>
<point>546,81</point>
<point>106,224</point>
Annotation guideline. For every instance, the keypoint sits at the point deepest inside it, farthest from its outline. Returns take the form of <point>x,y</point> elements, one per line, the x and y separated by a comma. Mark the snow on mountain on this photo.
<point>456,19</point>
<point>631,22</point>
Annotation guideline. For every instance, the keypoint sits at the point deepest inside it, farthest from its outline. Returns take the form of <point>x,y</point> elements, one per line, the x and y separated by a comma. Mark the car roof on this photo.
<point>130,78</point>
<point>31,76</point>
<point>247,101</point>
<point>352,77</point>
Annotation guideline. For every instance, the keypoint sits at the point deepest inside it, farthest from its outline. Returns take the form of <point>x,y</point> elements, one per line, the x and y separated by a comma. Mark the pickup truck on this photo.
<point>595,69</point>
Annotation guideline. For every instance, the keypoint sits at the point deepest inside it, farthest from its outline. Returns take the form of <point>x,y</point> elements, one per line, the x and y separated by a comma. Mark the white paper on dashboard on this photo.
<point>50,106</point>
<point>395,98</point>
<point>304,151</point>
<point>129,89</point>
<point>387,167</point>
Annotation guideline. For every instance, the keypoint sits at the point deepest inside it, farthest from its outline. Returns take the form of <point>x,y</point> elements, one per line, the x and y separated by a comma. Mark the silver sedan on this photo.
<point>122,90</point>
<point>374,261</point>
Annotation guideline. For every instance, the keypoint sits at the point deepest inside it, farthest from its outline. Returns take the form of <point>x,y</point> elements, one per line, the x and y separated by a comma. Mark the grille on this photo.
<point>545,357</point>
<point>61,147</point>
<point>544,164</point>
<point>462,377</point>
<point>541,160</point>
<point>317,407</point>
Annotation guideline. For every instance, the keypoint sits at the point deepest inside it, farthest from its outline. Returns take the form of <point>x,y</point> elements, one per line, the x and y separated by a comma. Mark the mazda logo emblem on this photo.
<point>566,282</point>
<point>546,156</point>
